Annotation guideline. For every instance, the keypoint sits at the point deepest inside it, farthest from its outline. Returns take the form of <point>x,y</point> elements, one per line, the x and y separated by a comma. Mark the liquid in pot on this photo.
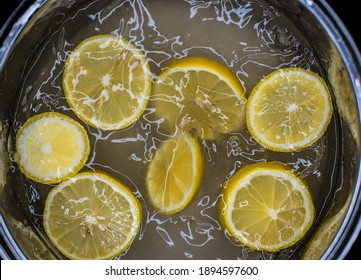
<point>251,38</point>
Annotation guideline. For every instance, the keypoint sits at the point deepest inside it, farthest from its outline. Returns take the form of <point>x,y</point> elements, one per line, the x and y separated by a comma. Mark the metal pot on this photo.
<point>26,32</point>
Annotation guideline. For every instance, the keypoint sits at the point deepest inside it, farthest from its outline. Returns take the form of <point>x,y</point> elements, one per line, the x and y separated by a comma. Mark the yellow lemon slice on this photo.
<point>289,109</point>
<point>201,96</point>
<point>51,147</point>
<point>325,233</point>
<point>175,173</point>
<point>107,82</point>
<point>266,207</point>
<point>91,216</point>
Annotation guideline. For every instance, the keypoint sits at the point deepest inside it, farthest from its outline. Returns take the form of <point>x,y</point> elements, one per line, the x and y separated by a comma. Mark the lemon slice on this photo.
<point>91,216</point>
<point>107,82</point>
<point>325,233</point>
<point>201,96</point>
<point>175,173</point>
<point>266,207</point>
<point>289,109</point>
<point>51,147</point>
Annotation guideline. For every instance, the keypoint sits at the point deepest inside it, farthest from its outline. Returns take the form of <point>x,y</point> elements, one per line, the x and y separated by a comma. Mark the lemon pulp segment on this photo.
<point>201,96</point>
<point>289,109</point>
<point>175,173</point>
<point>107,82</point>
<point>266,207</point>
<point>91,216</point>
<point>51,147</point>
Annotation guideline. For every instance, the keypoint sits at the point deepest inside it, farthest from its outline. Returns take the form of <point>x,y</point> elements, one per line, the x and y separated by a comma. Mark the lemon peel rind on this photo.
<point>204,64</point>
<point>143,99</point>
<point>116,185</point>
<point>314,136</point>
<point>239,180</point>
<point>19,159</point>
<point>198,170</point>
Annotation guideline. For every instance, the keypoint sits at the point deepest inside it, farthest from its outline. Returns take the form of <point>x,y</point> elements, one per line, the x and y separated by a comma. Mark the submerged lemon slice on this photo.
<point>51,147</point>
<point>201,96</point>
<point>289,109</point>
<point>266,207</point>
<point>91,216</point>
<point>325,233</point>
<point>107,82</point>
<point>175,173</point>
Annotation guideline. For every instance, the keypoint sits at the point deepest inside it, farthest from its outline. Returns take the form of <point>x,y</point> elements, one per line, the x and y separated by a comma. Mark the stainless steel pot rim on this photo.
<point>350,53</point>
<point>345,44</point>
<point>15,24</point>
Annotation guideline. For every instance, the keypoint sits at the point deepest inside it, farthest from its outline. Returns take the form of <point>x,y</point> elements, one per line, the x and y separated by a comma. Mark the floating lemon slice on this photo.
<point>266,207</point>
<point>175,173</point>
<point>107,82</point>
<point>91,216</point>
<point>51,147</point>
<point>289,109</point>
<point>200,96</point>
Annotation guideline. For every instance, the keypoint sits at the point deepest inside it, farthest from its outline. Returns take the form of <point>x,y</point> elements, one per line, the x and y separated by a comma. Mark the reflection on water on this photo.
<point>249,37</point>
